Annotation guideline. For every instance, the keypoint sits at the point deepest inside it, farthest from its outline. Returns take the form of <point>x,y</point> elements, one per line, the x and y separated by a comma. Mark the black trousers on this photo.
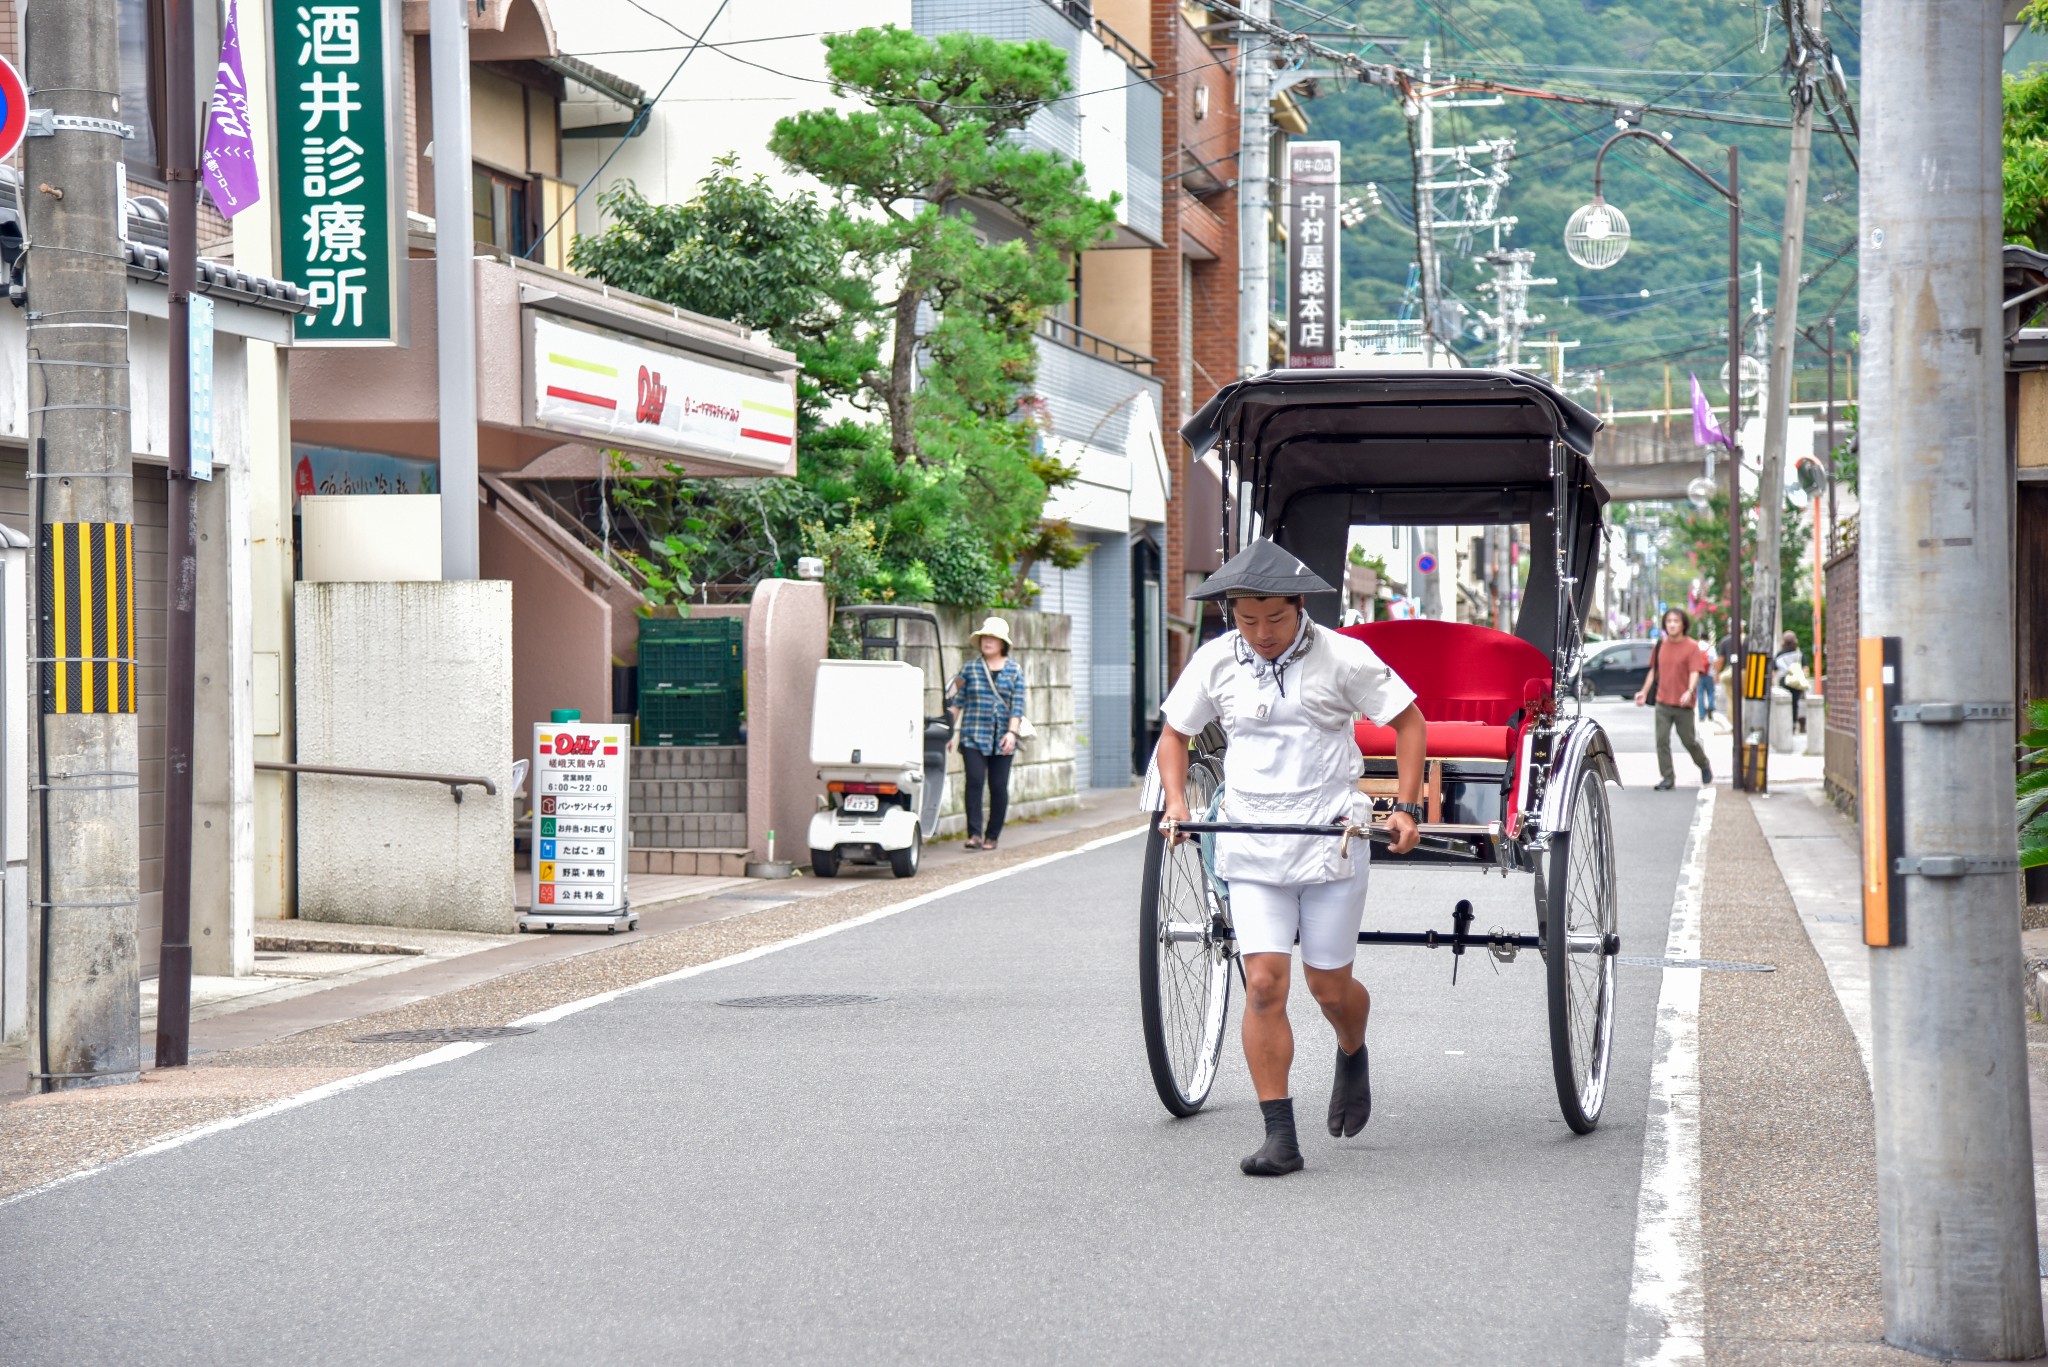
<point>993,770</point>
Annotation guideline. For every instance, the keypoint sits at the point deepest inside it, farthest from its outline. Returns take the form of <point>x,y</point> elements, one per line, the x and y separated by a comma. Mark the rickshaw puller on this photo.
<point>1285,691</point>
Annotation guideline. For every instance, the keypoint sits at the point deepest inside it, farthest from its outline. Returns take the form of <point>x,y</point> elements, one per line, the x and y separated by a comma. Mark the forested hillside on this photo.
<point>1721,58</point>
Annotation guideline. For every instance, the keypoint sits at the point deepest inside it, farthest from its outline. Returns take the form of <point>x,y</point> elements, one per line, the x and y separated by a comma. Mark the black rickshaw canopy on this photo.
<point>1308,454</point>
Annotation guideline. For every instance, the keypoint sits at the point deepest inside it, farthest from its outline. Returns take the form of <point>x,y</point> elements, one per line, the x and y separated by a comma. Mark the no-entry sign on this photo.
<point>13,108</point>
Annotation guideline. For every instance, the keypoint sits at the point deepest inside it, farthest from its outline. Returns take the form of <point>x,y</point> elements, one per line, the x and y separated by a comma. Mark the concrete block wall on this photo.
<point>414,677</point>
<point>689,798</point>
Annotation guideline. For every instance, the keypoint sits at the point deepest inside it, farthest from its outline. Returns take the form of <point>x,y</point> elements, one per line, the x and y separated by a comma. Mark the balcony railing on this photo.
<point>1125,48</point>
<point>1067,334</point>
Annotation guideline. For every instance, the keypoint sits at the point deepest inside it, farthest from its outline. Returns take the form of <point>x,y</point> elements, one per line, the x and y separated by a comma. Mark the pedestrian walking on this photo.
<point>1706,686</point>
<point>987,702</point>
<point>1790,665</point>
<point>1285,691</point>
<point>1675,666</point>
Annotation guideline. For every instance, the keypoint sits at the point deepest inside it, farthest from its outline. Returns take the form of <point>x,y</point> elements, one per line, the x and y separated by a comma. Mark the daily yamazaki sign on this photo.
<point>620,389</point>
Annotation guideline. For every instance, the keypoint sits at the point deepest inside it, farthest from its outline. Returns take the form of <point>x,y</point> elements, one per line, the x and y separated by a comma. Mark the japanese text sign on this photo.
<point>339,195</point>
<point>580,784</point>
<point>1314,180</point>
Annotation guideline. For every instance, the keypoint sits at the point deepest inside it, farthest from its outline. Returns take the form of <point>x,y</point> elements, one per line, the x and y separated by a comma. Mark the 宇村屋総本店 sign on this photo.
<point>1313,251</point>
<point>638,393</point>
<point>339,198</point>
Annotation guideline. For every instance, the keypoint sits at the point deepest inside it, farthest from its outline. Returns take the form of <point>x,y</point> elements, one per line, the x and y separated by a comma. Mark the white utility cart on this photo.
<point>880,752</point>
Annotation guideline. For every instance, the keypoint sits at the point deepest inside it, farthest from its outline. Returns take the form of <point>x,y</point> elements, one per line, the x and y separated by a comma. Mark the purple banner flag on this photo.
<point>230,160</point>
<point>1705,432</point>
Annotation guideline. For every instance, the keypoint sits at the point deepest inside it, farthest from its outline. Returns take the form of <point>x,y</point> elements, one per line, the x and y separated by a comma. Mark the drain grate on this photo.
<point>1720,965</point>
<point>445,1034</point>
<point>804,999</point>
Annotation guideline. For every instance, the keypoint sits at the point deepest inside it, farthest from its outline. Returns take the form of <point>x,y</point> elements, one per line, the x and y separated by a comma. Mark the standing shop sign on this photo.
<point>580,782</point>
<point>339,203</point>
<point>1312,254</point>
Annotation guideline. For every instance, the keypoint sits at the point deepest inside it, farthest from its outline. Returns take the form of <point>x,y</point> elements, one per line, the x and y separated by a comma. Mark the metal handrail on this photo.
<point>1081,339</point>
<point>455,782</point>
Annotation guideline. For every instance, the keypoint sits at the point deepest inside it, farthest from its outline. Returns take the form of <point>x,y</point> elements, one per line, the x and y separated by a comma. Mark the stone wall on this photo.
<point>1042,781</point>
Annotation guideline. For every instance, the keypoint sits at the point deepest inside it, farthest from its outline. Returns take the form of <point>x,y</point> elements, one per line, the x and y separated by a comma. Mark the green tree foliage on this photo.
<point>2031,787</point>
<point>949,486</point>
<point>1700,548</point>
<point>934,141</point>
<point>2024,142</point>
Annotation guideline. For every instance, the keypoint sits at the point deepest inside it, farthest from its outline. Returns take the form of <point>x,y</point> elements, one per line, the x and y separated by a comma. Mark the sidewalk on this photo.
<point>1802,1165</point>
<point>258,1049</point>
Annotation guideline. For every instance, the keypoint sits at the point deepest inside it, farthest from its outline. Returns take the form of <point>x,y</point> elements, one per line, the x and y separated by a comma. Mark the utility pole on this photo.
<point>181,625</point>
<point>455,285</point>
<point>1765,610</point>
<point>1425,214</point>
<point>1254,187</point>
<point>1955,1175</point>
<point>1734,433</point>
<point>84,870</point>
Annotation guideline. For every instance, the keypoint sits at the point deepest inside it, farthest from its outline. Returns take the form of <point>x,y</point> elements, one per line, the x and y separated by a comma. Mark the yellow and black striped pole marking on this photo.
<point>1756,676</point>
<point>88,605</point>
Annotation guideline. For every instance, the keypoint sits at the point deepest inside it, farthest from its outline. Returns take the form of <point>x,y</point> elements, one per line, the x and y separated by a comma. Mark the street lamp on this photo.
<point>1596,237</point>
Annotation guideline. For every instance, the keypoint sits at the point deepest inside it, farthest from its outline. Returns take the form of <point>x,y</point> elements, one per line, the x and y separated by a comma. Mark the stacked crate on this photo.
<point>692,681</point>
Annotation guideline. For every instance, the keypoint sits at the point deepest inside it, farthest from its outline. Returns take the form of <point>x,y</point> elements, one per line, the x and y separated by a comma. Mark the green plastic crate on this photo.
<point>681,664</point>
<point>719,629</point>
<point>693,714</point>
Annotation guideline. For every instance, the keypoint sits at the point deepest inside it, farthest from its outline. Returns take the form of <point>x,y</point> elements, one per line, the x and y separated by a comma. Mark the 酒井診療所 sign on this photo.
<point>339,198</point>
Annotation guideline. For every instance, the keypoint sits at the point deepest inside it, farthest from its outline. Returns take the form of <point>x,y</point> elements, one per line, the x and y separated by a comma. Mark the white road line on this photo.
<point>446,1053</point>
<point>450,1052</point>
<point>1666,1319</point>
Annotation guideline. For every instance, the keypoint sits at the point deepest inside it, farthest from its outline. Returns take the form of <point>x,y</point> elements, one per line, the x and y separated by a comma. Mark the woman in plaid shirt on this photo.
<point>988,708</point>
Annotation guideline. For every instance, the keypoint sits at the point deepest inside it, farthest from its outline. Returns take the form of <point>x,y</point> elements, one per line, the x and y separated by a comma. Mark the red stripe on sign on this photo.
<point>611,749</point>
<point>775,437</point>
<point>594,400</point>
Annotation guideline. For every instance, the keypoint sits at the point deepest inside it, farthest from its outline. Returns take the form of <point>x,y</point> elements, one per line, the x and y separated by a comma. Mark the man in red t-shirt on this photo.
<point>1675,666</point>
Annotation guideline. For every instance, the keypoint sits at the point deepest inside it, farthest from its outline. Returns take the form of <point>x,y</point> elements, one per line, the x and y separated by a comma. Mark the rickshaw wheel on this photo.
<point>1576,907</point>
<point>1183,961</point>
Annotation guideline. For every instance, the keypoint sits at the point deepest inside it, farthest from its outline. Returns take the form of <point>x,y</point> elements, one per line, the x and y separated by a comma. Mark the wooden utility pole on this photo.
<point>84,866</point>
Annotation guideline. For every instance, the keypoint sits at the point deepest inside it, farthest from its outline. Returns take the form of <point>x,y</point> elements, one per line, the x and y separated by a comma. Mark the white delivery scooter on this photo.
<point>882,759</point>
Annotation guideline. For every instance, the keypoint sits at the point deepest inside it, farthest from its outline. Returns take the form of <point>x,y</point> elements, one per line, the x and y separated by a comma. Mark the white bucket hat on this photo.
<point>994,626</point>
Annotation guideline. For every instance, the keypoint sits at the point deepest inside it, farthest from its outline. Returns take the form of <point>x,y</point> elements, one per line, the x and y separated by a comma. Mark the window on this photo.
<point>499,211</point>
<point>140,24</point>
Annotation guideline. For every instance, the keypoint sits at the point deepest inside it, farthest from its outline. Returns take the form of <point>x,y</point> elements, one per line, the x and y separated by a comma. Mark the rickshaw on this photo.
<point>1516,776</point>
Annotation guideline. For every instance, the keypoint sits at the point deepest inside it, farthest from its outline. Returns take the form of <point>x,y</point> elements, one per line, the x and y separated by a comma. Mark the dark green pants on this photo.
<point>1680,717</point>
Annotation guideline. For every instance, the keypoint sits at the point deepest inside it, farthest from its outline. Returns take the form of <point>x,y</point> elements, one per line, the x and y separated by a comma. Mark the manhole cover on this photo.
<point>1720,965</point>
<point>804,999</point>
<point>445,1034</point>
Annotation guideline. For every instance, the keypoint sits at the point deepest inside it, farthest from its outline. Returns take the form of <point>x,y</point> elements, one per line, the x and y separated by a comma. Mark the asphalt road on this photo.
<point>972,1168</point>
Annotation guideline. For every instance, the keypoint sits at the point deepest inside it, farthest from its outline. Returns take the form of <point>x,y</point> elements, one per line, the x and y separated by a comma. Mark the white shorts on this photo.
<point>1327,916</point>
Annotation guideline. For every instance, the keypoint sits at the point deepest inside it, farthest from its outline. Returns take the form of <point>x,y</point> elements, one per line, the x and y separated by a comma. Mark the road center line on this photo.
<point>450,1052</point>
<point>1666,1320</point>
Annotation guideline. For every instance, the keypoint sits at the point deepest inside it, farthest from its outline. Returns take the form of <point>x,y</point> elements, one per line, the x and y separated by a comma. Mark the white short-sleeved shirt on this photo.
<point>1292,756</point>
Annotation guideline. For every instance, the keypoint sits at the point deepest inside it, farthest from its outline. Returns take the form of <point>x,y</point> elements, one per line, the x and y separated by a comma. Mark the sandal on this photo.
<point>974,843</point>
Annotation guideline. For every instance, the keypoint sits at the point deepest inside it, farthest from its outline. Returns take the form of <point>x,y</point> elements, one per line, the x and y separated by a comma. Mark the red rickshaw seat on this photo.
<point>1469,682</point>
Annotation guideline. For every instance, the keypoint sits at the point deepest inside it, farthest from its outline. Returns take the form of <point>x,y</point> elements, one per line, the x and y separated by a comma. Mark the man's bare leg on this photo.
<point>1269,1051</point>
<point>1346,1004</point>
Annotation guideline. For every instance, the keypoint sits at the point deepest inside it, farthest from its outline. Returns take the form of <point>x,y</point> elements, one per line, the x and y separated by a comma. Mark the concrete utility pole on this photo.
<point>1254,188</point>
<point>1949,1058</point>
<point>85,870</point>
<point>1425,215</point>
<point>1765,611</point>
<point>455,285</point>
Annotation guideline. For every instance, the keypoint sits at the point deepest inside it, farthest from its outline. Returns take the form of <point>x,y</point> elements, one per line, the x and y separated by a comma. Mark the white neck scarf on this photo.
<point>1273,673</point>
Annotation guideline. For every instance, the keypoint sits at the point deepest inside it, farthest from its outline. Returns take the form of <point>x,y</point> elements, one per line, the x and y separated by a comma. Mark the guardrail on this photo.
<point>455,782</point>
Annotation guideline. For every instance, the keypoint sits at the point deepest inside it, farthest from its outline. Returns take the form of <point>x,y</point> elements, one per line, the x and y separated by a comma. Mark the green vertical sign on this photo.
<point>339,127</point>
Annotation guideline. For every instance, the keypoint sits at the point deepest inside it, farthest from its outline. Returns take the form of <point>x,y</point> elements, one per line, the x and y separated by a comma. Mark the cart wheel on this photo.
<point>825,863</point>
<point>1575,905</point>
<point>1183,962</point>
<point>903,863</point>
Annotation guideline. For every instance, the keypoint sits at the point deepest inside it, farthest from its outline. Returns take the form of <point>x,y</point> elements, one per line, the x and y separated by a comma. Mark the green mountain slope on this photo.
<point>1715,57</point>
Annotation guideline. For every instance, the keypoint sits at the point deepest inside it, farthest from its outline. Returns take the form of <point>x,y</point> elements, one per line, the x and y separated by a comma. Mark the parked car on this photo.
<point>1614,669</point>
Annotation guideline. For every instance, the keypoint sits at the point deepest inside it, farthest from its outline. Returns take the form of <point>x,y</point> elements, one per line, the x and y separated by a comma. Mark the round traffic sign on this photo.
<point>1425,564</point>
<point>13,108</point>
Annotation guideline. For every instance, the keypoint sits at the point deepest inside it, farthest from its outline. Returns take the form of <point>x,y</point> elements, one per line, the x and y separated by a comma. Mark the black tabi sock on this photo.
<point>1280,1154</point>
<point>1351,1096</point>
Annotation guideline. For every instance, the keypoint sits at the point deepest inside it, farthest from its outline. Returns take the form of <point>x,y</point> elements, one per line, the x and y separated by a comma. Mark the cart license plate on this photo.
<point>862,802</point>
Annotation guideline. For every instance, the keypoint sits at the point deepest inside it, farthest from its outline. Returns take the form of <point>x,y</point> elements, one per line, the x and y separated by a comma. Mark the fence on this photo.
<point>1838,770</point>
